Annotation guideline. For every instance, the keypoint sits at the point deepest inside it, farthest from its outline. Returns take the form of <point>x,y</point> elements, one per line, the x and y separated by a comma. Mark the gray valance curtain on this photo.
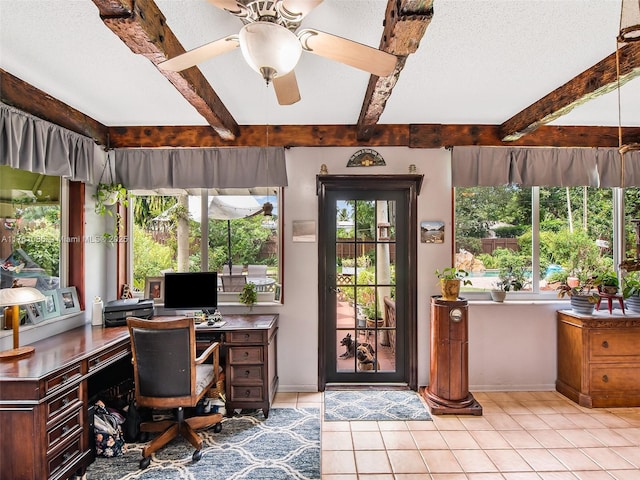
<point>29,143</point>
<point>559,167</point>
<point>200,167</point>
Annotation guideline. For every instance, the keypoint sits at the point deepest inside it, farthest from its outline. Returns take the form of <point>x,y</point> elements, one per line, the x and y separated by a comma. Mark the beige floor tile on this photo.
<point>631,434</point>
<point>557,476</point>
<point>310,397</point>
<point>508,461</point>
<point>520,439</point>
<point>522,476</point>
<point>610,438</point>
<point>441,461</point>
<point>593,475</point>
<point>448,422</point>
<point>558,421</point>
<point>415,425</point>
<point>630,454</point>
<point>584,420</point>
<point>376,476</point>
<point>284,404</point>
<point>364,426</point>
<point>607,459</point>
<point>392,426</point>
<point>459,440</point>
<point>340,477</point>
<point>541,407</point>
<point>476,423</point>
<point>531,422</point>
<point>402,440</point>
<point>337,441</point>
<point>490,407</point>
<point>574,459</point>
<point>429,440</point>
<point>503,421</point>
<point>336,427</point>
<point>541,460</point>
<point>488,439</point>
<point>580,438</point>
<point>367,441</point>
<point>626,474</point>
<point>611,420</point>
<point>337,461</point>
<point>550,439</point>
<point>515,408</point>
<point>449,476</point>
<point>485,476</point>
<point>407,461</point>
<point>474,461</point>
<point>372,461</point>
<point>412,476</point>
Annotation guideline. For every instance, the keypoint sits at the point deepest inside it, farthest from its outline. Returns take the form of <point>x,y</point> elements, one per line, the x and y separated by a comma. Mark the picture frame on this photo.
<point>50,306</point>
<point>277,292</point>
<point>432,231</point>
<point>35,312</point>
<point>154,288</point>
<point>68,300</point>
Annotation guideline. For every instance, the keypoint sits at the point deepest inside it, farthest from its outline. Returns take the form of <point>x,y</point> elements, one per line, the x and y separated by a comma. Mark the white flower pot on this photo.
<point>498,295</point>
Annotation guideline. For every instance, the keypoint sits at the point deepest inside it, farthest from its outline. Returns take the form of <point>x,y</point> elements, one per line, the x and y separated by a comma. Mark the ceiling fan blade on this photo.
<point>286,88</point>
<point>348,52</point>
<point>228,5</point>
<point>299,8</point>
<point>200,54</point>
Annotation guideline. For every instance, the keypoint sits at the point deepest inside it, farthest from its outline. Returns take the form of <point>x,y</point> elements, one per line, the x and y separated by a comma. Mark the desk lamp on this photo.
<point>15,297</point>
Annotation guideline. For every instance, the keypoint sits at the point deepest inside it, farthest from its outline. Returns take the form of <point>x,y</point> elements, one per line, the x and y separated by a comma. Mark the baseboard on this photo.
<point>512,388</point>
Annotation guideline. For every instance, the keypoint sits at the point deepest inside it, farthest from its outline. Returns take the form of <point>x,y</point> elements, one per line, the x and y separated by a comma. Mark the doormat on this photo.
<point>341,405</point>
<point>285,446</point>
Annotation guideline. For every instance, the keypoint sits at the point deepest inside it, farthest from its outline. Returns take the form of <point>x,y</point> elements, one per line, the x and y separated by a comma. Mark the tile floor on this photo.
<point>520,436</point>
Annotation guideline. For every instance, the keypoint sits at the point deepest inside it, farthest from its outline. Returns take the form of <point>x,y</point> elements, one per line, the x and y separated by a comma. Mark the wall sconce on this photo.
<point>14,297</point>
<point>383,231</point>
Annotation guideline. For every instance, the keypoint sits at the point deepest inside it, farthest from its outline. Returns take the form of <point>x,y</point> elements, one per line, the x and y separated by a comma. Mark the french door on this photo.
<point>367,279</point>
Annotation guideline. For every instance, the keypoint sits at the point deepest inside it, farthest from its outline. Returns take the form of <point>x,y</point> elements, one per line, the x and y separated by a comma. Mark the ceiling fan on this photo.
<point>271,46</point>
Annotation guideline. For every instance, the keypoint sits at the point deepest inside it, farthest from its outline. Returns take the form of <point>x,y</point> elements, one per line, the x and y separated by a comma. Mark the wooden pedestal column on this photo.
<point>448,390</point>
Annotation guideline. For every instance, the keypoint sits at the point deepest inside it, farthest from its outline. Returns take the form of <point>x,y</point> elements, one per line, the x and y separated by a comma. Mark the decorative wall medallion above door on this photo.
<point>366,158</point>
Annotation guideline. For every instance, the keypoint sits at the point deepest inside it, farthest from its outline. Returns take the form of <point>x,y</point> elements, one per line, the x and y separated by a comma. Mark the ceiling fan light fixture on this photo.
<point>629,21</point>
<point>270,49</point>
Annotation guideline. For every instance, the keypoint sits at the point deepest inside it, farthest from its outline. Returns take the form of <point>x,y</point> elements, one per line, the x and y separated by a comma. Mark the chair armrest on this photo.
<point>207,353</point>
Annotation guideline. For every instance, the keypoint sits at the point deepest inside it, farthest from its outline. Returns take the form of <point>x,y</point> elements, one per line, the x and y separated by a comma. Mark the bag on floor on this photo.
<point>107,431</point>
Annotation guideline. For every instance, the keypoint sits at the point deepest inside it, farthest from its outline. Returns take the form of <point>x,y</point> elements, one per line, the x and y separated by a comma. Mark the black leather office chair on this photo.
<point>233,283</point>
<point>168,375</point>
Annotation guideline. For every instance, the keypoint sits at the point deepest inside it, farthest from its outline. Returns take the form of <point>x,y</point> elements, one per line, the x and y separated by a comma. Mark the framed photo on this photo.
<point>51,306</point>
<point>35,312</point>
<point>68,300</point>
<point>154,288</point>
<point>432,232</point>
<point>278,292</point>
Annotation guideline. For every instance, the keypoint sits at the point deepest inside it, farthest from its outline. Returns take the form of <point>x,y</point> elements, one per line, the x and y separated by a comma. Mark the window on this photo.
<point>30,246</point>
<point>204,230</point>
<point>546,233</point>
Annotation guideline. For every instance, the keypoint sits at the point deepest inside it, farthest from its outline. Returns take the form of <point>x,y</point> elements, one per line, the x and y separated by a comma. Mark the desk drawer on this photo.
<point>96,362</point>
<point>604,344</point>
<point>65,458</point>
<point>244,337</point>
<point>245,355</point>
<point>616,379</point>
<point>63,404</point>
<point>62,379</point>
<point>247,393</point>
<point>67,428</point>
<point>250,374</point>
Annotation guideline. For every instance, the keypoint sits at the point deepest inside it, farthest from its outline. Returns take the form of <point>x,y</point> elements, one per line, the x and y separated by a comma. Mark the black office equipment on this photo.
<point>116,311</point>
<point>191,291</point>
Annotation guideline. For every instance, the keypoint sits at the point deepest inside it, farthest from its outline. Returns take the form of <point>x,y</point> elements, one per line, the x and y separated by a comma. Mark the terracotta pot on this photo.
<point>573,281</point>
<point>450,289</point>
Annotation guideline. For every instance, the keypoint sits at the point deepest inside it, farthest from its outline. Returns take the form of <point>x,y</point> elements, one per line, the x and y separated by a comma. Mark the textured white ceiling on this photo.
<point>480,61</point>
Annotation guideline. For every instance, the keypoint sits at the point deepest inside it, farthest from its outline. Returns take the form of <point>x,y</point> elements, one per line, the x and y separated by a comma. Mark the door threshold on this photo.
<point>367,386</point>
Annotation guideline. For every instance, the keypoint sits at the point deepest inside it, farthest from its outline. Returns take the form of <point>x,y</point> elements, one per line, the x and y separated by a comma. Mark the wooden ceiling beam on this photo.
<point>593,82</point>
<point>143,28</point>
<point>405,23</point>
<point>31,100</point>
<point>413,136</point>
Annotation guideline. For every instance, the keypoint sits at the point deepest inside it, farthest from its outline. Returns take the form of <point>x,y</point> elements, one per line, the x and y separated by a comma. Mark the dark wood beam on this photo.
<point>143,28</point>
<point>29,99</point>
<point>414,136</point>
<point>404,26</point>
<point>593,82</point>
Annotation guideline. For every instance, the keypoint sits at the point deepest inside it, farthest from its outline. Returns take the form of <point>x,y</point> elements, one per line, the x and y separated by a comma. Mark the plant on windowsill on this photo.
<point>510,278</point>
<point>607,281</point>
<point>583,297</point>
<point>249,295</point>
<point>107,195</point>
<point>450,280</point>
<point>631,291</point>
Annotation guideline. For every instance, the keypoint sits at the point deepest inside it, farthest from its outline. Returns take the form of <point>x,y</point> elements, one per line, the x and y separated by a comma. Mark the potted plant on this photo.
<point>509,279</point>
<point>249,295</point>
<point>607,281</point>
<point>631,291</point>
<point>107,195</point>
<point>450,280</point>
<point>583,297</point>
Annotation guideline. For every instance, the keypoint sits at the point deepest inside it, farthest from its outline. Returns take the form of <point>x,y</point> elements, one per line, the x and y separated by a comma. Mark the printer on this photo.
<point>116,311</point>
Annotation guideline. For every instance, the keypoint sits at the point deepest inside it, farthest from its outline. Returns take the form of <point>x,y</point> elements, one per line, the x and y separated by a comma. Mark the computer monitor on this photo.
<point>191,291</point>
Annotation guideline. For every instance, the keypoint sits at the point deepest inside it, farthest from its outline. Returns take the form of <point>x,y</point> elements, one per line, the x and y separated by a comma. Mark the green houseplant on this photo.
<point>107,195</point>
<point>450,280</point>
<point>249,295</point>
<point>509,279</point>
<point>631,291</point>
<point>583,296</point>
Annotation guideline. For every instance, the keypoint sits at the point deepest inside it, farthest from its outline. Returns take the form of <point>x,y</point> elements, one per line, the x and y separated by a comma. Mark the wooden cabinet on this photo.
<point>599,358</point>
<point>43,403</point>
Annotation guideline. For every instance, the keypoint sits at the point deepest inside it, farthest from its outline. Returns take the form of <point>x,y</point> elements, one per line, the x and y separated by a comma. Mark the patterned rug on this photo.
<point>374,405</point>
<point>285,446</point>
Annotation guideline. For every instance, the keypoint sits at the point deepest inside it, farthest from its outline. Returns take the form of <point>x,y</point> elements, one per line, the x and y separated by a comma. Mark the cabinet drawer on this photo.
<point>250,374</point>
<point>62,379</point>
<point>240,355</point>
<point>615,344</point>
<point>62,405</point>
<point>244,337</point>
<point>247,393</point>
<point>64,430</point>
<point>614,379</point>
<point>106,357</point>
<point>58,462</point>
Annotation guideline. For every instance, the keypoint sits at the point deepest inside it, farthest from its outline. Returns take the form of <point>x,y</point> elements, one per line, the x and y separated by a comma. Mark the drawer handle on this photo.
<point>67,456</point>
<point>605,378</point>
<point>247,393</point>
<point>65,401</point>
<point>246,336</point>
<point>65,377</point>
<point>96,361</point>
<point>65,429</point>
<point>246,354</point>
<point>247,373</point>
<point>605,344</point>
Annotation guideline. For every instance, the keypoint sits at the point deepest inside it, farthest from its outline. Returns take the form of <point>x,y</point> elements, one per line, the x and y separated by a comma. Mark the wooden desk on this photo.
<point>599,358</point>
<point>44,398</point>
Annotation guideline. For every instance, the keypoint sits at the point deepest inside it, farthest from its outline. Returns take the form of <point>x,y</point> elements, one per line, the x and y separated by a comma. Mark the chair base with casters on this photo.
<point>186,427</point>
<point>169,376</point>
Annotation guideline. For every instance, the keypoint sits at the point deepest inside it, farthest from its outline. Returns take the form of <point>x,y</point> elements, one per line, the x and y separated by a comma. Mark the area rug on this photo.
<point>374,405</point>
<point>285,446</point>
